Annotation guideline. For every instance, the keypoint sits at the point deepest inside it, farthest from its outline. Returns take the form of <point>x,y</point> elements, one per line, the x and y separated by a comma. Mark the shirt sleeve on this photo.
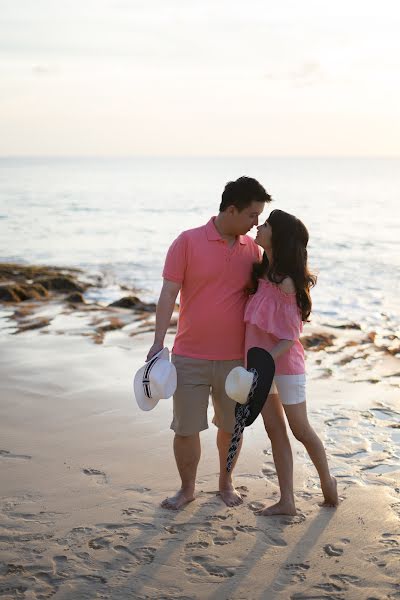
<point>176,260</point>
<point>274,315</point>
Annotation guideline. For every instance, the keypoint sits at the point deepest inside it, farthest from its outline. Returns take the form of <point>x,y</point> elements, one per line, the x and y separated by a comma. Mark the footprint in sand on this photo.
<point>174,529</point>
<point>131,511</point>
<point>8,454</point>
<point>254,506</point>
<point>389,540</point>
<point>226,535</point>
<point>139,556</point>
<point>99,475</point>
<point>348,579</point>
<point>329,586</point>
<point>60,563</point>
<point>296,572</point>
<point>247,529</point>
<point>194,545</point>
<point>295,520</point>
<point>339,583</point>
<point>272,538</point>
<point>332,550</point>
<point>202,565</point>
<point>99,543</point>
<point>275,540</point>
<point>219,517</point>
<point>268,472</point>
<point>141,525</point>
<point>138,488</point>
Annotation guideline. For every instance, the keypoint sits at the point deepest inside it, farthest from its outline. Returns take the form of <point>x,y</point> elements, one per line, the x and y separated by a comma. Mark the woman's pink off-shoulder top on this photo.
<point>272,315</point>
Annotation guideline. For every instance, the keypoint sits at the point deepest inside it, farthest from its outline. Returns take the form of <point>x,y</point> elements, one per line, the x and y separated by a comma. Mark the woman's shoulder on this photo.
<point>287,286</point>
<point>279,293</point>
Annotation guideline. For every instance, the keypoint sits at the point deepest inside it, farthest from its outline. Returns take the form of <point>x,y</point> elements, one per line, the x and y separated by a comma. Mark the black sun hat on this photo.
<point>262,365</point>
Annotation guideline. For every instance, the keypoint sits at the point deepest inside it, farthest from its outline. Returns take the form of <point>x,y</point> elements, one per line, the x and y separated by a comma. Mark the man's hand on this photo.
<point>156,347</point>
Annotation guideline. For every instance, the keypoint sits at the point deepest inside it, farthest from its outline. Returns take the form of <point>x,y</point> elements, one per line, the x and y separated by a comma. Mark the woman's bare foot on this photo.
<point>280,508</point>
<point>176,502</point>
<point>331,497</point>
<point>230,496</point>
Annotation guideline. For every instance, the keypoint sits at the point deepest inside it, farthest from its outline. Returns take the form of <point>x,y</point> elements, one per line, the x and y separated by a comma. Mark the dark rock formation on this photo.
<point>75,298</point>
<point>60,283</point>
<point>317,341</point>
<point>30,282</point>
<point>134,303</point>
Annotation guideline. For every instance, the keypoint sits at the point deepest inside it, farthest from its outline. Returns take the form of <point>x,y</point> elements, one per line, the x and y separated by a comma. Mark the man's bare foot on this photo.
<point>331,497</point>
<point>176,502</point>
<point>230,496</point>
<point>280,508</point>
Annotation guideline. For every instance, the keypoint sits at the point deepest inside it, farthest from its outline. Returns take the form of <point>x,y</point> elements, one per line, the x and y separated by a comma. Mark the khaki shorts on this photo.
<point>197,379</point>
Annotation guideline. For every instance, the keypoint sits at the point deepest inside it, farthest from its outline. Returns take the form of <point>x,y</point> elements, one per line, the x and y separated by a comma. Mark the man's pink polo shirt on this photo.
<point>213,278</point>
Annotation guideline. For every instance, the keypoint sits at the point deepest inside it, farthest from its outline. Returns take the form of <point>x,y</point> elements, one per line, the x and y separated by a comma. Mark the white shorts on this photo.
<point>291,388</point>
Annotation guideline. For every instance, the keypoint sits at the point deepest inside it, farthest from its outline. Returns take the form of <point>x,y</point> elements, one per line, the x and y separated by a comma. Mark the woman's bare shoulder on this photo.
<point>287,286</point>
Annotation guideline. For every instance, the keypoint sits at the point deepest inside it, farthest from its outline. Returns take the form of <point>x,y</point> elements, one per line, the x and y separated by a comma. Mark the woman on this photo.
<point>279,304</point>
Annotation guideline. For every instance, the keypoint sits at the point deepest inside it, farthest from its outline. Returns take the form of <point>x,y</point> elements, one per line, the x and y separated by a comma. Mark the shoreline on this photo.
<point>53,300</point>
<point>83,472</point>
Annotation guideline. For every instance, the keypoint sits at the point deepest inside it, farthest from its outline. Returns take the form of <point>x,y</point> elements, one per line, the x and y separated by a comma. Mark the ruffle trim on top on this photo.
<point>274,311</point>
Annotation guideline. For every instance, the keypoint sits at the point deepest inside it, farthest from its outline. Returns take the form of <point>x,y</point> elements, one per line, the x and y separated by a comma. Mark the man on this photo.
<point>210,266</point>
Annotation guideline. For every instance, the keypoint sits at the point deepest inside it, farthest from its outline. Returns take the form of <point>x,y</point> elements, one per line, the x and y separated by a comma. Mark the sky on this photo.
<point>199,78</point>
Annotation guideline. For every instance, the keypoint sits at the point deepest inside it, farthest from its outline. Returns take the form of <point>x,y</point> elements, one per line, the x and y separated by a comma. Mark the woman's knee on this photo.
<point>303,433</point>
<point>273,416</point>
<point>275,428</point>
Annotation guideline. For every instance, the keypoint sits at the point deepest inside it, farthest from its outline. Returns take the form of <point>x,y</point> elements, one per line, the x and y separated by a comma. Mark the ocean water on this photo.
<point>118,217</point>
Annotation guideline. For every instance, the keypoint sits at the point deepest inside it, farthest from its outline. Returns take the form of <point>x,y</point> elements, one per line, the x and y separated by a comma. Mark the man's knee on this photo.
<point>187,437</point>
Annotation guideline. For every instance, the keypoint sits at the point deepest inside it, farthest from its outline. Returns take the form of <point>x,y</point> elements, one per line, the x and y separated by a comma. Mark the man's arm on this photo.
<point>165,307</point>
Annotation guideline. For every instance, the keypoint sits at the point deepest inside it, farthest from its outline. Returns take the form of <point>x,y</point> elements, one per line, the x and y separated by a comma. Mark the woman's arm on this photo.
<point>281,347</point>
<point>287,286</point>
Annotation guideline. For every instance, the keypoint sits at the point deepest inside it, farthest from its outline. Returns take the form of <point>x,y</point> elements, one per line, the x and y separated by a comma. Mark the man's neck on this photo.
<point>220,226</point>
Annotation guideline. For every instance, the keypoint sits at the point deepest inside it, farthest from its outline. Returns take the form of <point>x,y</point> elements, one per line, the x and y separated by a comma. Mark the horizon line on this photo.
<point>199,156</point>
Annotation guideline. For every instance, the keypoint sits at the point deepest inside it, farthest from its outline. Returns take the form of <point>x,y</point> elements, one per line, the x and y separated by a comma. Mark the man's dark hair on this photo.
<point>242,192</point>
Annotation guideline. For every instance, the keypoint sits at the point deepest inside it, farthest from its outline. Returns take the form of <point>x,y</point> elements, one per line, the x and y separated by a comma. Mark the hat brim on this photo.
<point>238,384</point>
<point>142,400</point>
<point>263,364</point>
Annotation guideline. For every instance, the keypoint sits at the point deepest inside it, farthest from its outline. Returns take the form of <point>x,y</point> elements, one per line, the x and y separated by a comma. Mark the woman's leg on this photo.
<point>297,417</point>
<point>274,421</point>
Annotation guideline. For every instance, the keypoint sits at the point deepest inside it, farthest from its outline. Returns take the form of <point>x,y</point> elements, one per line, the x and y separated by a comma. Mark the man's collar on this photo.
<point>213,234</point>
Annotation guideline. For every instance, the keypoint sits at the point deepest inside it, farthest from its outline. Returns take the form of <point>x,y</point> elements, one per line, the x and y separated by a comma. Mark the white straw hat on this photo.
<point>238,384</point>
<point>155,380</point>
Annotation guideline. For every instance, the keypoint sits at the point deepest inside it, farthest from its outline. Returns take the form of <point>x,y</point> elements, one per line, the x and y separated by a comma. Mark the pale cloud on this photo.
<point>184,77</point>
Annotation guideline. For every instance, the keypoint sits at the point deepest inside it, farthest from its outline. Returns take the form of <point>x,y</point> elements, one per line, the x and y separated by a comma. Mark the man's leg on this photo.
<point>189,418</point>
<point>187,455</point>
<point>227,491</point>
<point>224,419</point>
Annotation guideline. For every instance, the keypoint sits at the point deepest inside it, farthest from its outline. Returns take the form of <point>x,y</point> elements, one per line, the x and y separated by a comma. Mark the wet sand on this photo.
<point>83,472</point>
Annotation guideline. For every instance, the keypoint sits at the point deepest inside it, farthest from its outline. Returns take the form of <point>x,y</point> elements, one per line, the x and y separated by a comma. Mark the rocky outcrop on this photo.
<point>60,283</point>
<point>134,303</point>
<point>32,282</point>
<point>317,341</point>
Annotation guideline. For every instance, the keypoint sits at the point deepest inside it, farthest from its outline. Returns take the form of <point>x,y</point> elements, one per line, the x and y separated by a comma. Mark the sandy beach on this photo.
<point>83,472</point>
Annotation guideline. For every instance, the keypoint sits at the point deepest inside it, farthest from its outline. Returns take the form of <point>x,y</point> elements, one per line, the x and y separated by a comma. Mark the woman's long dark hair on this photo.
<point>289,250</point>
